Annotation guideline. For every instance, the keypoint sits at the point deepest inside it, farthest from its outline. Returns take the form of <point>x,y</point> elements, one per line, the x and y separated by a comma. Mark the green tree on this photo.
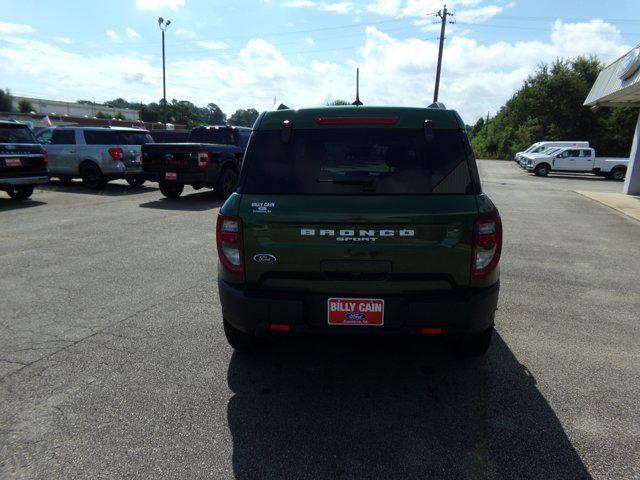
<point>244,118</point>
<point>24,106</point>
<point>103,115</point>
<point>338,101</point>
<point>213,115</point>
<point>549,106</point>
<point>120,116</point>
<point>5,101</point>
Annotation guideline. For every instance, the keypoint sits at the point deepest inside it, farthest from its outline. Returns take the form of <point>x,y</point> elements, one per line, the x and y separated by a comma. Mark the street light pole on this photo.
<point>163,26</point>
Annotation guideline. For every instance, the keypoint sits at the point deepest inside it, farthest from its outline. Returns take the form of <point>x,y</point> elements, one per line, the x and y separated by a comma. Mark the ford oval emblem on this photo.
<point>264,258</point>
<point>168,156</point>
<point>356,316</point>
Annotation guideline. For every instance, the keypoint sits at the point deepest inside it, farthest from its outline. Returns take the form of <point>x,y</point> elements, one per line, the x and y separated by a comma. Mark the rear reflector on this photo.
<point>357,120</point>
<point>280,327</point>
<point>431,331</point>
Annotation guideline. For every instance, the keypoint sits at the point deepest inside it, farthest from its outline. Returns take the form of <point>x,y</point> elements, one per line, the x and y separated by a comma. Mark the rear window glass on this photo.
<point>114,137</point>
<point>19,134</point>
<point>357,161</point>
<point>223,136</point>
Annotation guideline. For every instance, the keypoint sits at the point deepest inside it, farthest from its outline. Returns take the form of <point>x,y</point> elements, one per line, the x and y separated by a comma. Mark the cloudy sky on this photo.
<point>242,54</point>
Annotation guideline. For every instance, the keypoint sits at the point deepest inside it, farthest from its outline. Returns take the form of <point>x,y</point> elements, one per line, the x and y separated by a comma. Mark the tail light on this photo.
<point>229,242</point>
<point>203,159</point>
<point>116,153</point>
<point>487,245</point>
<point>45,154</point>
<point>143,156</point>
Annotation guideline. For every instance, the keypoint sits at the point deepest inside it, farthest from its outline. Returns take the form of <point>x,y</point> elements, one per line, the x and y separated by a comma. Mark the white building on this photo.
<point>618,85</point>
<point>74,109</point>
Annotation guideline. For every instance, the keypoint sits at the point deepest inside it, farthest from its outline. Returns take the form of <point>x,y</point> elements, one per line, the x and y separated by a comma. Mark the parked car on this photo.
<point>539,147</point>
<point>95,154</point>
<point>169,136</point>
<point>359,221</point>
<point>547,151</point>
<point>23,162</point>
<point>577,160</point>
<point>211,158</point>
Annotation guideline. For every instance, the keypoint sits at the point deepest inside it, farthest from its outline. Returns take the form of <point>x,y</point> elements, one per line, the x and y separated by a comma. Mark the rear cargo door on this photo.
<point>20,155</point>
<point>358,212</point>
<point>171,157</point>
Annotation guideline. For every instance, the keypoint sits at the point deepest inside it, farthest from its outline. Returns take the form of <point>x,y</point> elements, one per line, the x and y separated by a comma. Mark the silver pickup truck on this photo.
<point>95,154</point>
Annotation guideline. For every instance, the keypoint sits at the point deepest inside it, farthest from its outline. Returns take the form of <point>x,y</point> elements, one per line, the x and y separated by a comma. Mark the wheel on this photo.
<point>472,345</point>
<point>92,177</point>
<point>21,193</point>
<point>227,183</point>
<point>171,190</point>
<point>617,174</point>
<point>542,170</point>
<point>238,339</point>
<point>136,182</point>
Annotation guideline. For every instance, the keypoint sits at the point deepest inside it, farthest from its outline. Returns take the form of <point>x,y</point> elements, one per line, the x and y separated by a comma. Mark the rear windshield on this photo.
<point>115,137</point>
<point>357,161</point>
<point>19,134</point>
<point>221,136</point>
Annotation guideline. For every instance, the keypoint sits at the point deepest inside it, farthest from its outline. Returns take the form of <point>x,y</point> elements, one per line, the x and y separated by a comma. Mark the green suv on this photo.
<point>359,221</point>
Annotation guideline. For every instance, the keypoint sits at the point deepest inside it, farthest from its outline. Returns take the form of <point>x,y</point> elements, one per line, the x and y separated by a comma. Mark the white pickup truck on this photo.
<point>576,160</point>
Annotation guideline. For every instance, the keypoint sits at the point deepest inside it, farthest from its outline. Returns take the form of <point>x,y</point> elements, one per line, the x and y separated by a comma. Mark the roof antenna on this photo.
<point>357,103</point>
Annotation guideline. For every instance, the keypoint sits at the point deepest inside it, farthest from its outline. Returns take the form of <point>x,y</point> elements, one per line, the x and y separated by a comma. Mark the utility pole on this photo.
<point>163,26</point>
<point>443,17</point>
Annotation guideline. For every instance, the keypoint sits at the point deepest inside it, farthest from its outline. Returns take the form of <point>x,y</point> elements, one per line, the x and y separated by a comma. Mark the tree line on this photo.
<point>549,106</point>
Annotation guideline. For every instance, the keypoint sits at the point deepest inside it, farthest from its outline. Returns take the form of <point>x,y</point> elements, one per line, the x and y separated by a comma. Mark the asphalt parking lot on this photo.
<point>113,363</point>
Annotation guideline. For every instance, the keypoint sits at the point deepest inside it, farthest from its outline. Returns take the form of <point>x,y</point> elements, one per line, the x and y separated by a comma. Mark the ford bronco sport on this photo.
<point>359,221</point>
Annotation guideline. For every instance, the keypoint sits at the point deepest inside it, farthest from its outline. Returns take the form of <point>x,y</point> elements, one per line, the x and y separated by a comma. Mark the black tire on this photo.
<point>92,177</point>
<point>171,190</point>
<point>20,193</point>
<point>135,182</point>
<point>472,345</point>
<point>617,174</point>
<point>238,339</point>
<point>542,170</point>
<point>227,183</point>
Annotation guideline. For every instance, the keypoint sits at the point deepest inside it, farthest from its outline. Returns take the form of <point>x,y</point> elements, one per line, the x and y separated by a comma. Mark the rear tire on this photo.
<point>472,344</point>
<point>92,177</point>
<point>237,339</point>
<point>227,183</point>
<point>542,170</point>
<point>617,174</point>
<point>135,182</point>
<point>21,193</point>
<point>171,190</point>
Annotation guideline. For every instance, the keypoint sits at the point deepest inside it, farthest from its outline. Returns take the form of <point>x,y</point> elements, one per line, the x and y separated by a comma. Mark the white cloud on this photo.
<point>115,38</point>
<point>181,32</point>
<point>309,41</point>
<point>65,40</point>
<point>477,77</point>
<point>385,7</point>
<point>478,15</point>
<point>157,5</point>
<point>213,45</point>
<point>15,28</point>
<point>132,34</point>
<point>336,7</point>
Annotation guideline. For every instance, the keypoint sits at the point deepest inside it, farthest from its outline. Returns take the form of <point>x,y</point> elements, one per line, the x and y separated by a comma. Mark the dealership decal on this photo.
<point>262,207</point>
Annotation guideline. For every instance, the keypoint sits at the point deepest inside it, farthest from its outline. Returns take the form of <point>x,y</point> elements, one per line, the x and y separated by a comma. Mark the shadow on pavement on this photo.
<point>7,204</point>
<point>111,189</point>
<point>574,176</point>
<point>206,200</point>
<point>373,409</point>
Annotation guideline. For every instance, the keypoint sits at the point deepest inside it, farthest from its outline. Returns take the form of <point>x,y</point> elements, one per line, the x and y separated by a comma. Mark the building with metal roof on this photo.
<point>618,85</point>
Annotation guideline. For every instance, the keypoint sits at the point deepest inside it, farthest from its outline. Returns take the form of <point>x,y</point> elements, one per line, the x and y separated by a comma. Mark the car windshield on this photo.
<point>357,161</point>
<point>17,134</point>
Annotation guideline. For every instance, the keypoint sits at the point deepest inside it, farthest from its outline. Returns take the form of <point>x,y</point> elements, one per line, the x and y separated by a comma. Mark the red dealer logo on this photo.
<point>355,311</point>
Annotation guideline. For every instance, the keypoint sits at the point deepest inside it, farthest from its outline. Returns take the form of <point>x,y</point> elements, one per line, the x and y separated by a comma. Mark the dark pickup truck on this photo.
<point>23,161</point>
<point>211,158</point>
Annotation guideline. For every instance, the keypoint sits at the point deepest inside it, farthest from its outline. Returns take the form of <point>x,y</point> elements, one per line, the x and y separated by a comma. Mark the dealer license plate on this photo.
<point>13,162</point>
<point>170,176</point>
<point>355,311</point>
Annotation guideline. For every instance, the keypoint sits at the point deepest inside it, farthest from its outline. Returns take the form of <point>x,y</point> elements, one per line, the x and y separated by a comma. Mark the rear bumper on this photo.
<point>469,312</point>
<point>33,180</point>
<point>187,178</point>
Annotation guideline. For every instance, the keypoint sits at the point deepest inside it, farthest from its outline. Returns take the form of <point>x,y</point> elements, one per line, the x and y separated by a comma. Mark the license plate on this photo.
<point>13,162</point>
<point>355,311</point>
<point>170,176</point>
